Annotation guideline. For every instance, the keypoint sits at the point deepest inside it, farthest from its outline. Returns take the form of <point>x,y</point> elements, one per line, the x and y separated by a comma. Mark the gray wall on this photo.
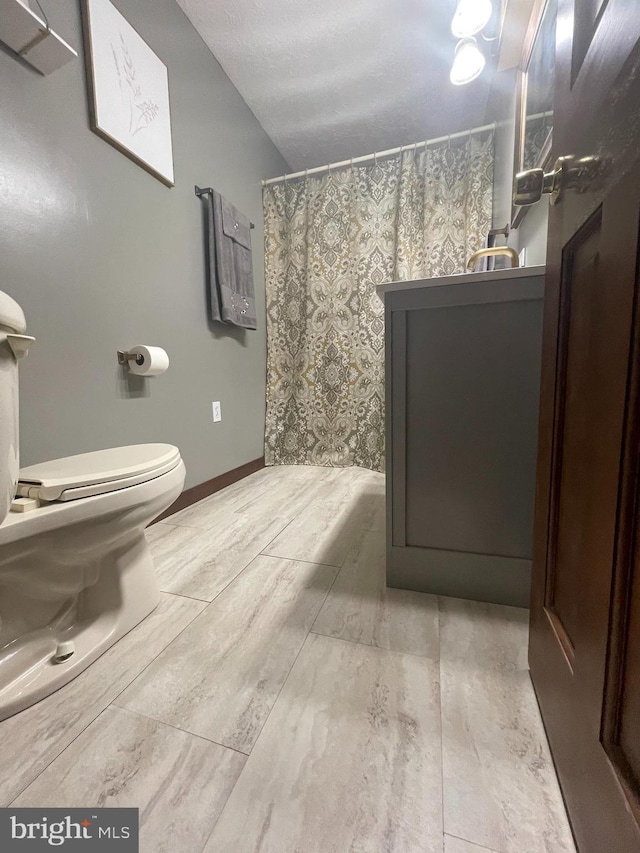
<point>102,256</point>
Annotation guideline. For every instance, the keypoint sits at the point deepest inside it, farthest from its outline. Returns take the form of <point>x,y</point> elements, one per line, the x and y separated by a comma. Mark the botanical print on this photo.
<point>141,112</point>
<point>130,89</point>
<point>329,241</point>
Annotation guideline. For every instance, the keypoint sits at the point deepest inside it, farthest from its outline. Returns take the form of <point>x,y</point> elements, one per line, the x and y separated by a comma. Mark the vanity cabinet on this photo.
<point>462,390</point>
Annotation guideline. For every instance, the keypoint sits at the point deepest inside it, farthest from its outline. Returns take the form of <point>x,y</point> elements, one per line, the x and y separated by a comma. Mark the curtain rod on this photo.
<point>367,157</point>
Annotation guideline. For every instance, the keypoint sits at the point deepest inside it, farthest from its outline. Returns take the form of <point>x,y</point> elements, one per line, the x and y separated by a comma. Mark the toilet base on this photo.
<point>125,592</point>
<point>75,577</point>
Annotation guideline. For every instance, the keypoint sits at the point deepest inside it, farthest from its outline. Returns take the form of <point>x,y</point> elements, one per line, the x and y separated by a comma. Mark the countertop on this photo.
<point>462,278</point>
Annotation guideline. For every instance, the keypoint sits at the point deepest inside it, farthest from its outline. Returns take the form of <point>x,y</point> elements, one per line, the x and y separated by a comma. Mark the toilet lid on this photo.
<point>97,472</point>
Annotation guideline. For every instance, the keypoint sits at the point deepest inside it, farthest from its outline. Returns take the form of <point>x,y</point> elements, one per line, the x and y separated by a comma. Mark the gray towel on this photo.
<point>232,297</point>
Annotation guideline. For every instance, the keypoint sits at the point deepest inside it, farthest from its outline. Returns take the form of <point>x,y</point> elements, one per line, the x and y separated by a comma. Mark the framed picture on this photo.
<point>128,90</point>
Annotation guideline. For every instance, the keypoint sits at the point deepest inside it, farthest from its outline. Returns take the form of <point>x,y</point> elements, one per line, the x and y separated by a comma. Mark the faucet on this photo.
<point>495,250</point>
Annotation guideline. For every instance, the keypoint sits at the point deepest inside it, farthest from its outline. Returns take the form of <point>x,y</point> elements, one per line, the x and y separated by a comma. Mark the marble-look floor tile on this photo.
<point>34,737</point>
<point>492,635</point>
<point>349,759</point>
<point>156,533</point>
<point>325,530</point>
<point>373,504</point>
<point>201,563</point>
<point>179,782</point>
<point>301,473</point>
<point>203,513</point>
<point>361,608</point>
<point>286,497</point>
<point>274,491</point>
<point>500,787</point>
<point>169,546</point>
<point>258,483</point>
<point>457,845</point>
<point>221,677</point>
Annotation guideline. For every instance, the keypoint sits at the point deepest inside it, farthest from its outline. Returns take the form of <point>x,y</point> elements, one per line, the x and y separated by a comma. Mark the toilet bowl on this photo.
<point>76,573</point>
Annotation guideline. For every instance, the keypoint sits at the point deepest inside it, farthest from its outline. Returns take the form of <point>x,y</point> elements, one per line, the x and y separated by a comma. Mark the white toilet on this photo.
<point>75,569</point>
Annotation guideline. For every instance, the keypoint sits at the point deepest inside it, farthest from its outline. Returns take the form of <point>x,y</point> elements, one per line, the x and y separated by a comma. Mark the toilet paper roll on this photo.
<point>150,361</point>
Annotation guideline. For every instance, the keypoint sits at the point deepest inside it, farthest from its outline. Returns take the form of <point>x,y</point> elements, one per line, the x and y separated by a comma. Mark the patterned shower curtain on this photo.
<point>329,240</point>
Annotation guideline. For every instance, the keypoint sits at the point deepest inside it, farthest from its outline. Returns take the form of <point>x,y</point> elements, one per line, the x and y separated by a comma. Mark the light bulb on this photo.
<point>468,63</point>
<point>470,17</point>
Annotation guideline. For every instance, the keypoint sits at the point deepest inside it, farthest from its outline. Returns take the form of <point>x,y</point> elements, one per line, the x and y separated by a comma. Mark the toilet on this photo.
<point>76,573</point>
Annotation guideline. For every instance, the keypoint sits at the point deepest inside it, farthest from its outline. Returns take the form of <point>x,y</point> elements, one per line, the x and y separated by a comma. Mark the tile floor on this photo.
<point>281,699</point>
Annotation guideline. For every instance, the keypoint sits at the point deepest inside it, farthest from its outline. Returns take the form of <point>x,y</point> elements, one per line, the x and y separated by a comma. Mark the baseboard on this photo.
<point>209,487</point>
<point>460,574</point>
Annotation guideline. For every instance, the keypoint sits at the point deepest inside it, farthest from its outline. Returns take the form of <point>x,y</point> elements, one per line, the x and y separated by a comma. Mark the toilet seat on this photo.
<point>90,474</point>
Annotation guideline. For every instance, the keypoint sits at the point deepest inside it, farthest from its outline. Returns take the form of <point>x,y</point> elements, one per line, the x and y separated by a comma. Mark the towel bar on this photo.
<point>200,191</point>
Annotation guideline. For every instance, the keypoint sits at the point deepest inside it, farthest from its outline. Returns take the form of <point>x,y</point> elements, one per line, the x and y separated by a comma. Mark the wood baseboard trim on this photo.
<point>209,487</point>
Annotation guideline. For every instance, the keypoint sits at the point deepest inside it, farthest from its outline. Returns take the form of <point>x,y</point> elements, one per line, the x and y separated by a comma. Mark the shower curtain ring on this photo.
<point>375,158</point>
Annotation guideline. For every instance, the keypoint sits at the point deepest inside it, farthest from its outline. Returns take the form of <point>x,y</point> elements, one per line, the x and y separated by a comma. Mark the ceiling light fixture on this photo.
<point>468,62</point>
<point>471,16</point>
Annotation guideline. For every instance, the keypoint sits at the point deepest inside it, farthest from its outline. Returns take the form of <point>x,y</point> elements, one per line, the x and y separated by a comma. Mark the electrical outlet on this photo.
<point>217,412</point>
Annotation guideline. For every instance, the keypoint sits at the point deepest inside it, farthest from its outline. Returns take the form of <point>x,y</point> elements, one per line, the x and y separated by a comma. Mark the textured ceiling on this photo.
<point>332,79</point>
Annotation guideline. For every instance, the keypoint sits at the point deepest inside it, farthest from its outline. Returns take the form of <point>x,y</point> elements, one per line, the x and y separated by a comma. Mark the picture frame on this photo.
<point>128,89</point>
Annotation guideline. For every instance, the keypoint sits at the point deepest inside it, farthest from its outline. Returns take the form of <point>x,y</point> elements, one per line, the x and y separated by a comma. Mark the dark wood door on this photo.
<point>585,620</point>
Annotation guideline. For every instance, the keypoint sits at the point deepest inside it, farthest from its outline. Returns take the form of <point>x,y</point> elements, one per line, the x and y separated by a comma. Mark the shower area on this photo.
<point>331,236</point>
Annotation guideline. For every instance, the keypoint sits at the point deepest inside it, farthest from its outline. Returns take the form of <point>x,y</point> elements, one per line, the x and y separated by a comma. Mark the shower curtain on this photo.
<point>329,240</point>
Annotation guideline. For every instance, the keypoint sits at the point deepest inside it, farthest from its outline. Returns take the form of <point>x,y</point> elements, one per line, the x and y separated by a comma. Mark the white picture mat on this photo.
<point>131,89</point>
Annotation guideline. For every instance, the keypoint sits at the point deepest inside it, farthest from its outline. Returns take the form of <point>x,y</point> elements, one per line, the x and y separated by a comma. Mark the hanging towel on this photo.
<point>232,297</point>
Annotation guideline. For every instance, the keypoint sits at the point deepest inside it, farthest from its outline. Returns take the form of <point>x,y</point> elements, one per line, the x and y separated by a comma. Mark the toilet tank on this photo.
<point>13,344</point>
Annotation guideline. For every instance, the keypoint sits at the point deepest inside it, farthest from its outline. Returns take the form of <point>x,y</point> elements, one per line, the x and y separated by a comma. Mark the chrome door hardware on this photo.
<point>568,173</point>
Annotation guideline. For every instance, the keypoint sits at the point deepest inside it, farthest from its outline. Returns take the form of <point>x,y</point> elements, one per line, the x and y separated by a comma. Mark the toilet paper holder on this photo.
<point>144,360</point>
<point>125,357</point>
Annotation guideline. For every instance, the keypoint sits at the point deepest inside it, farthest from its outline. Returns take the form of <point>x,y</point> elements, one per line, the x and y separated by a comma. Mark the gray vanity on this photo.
<point>462,387</point>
